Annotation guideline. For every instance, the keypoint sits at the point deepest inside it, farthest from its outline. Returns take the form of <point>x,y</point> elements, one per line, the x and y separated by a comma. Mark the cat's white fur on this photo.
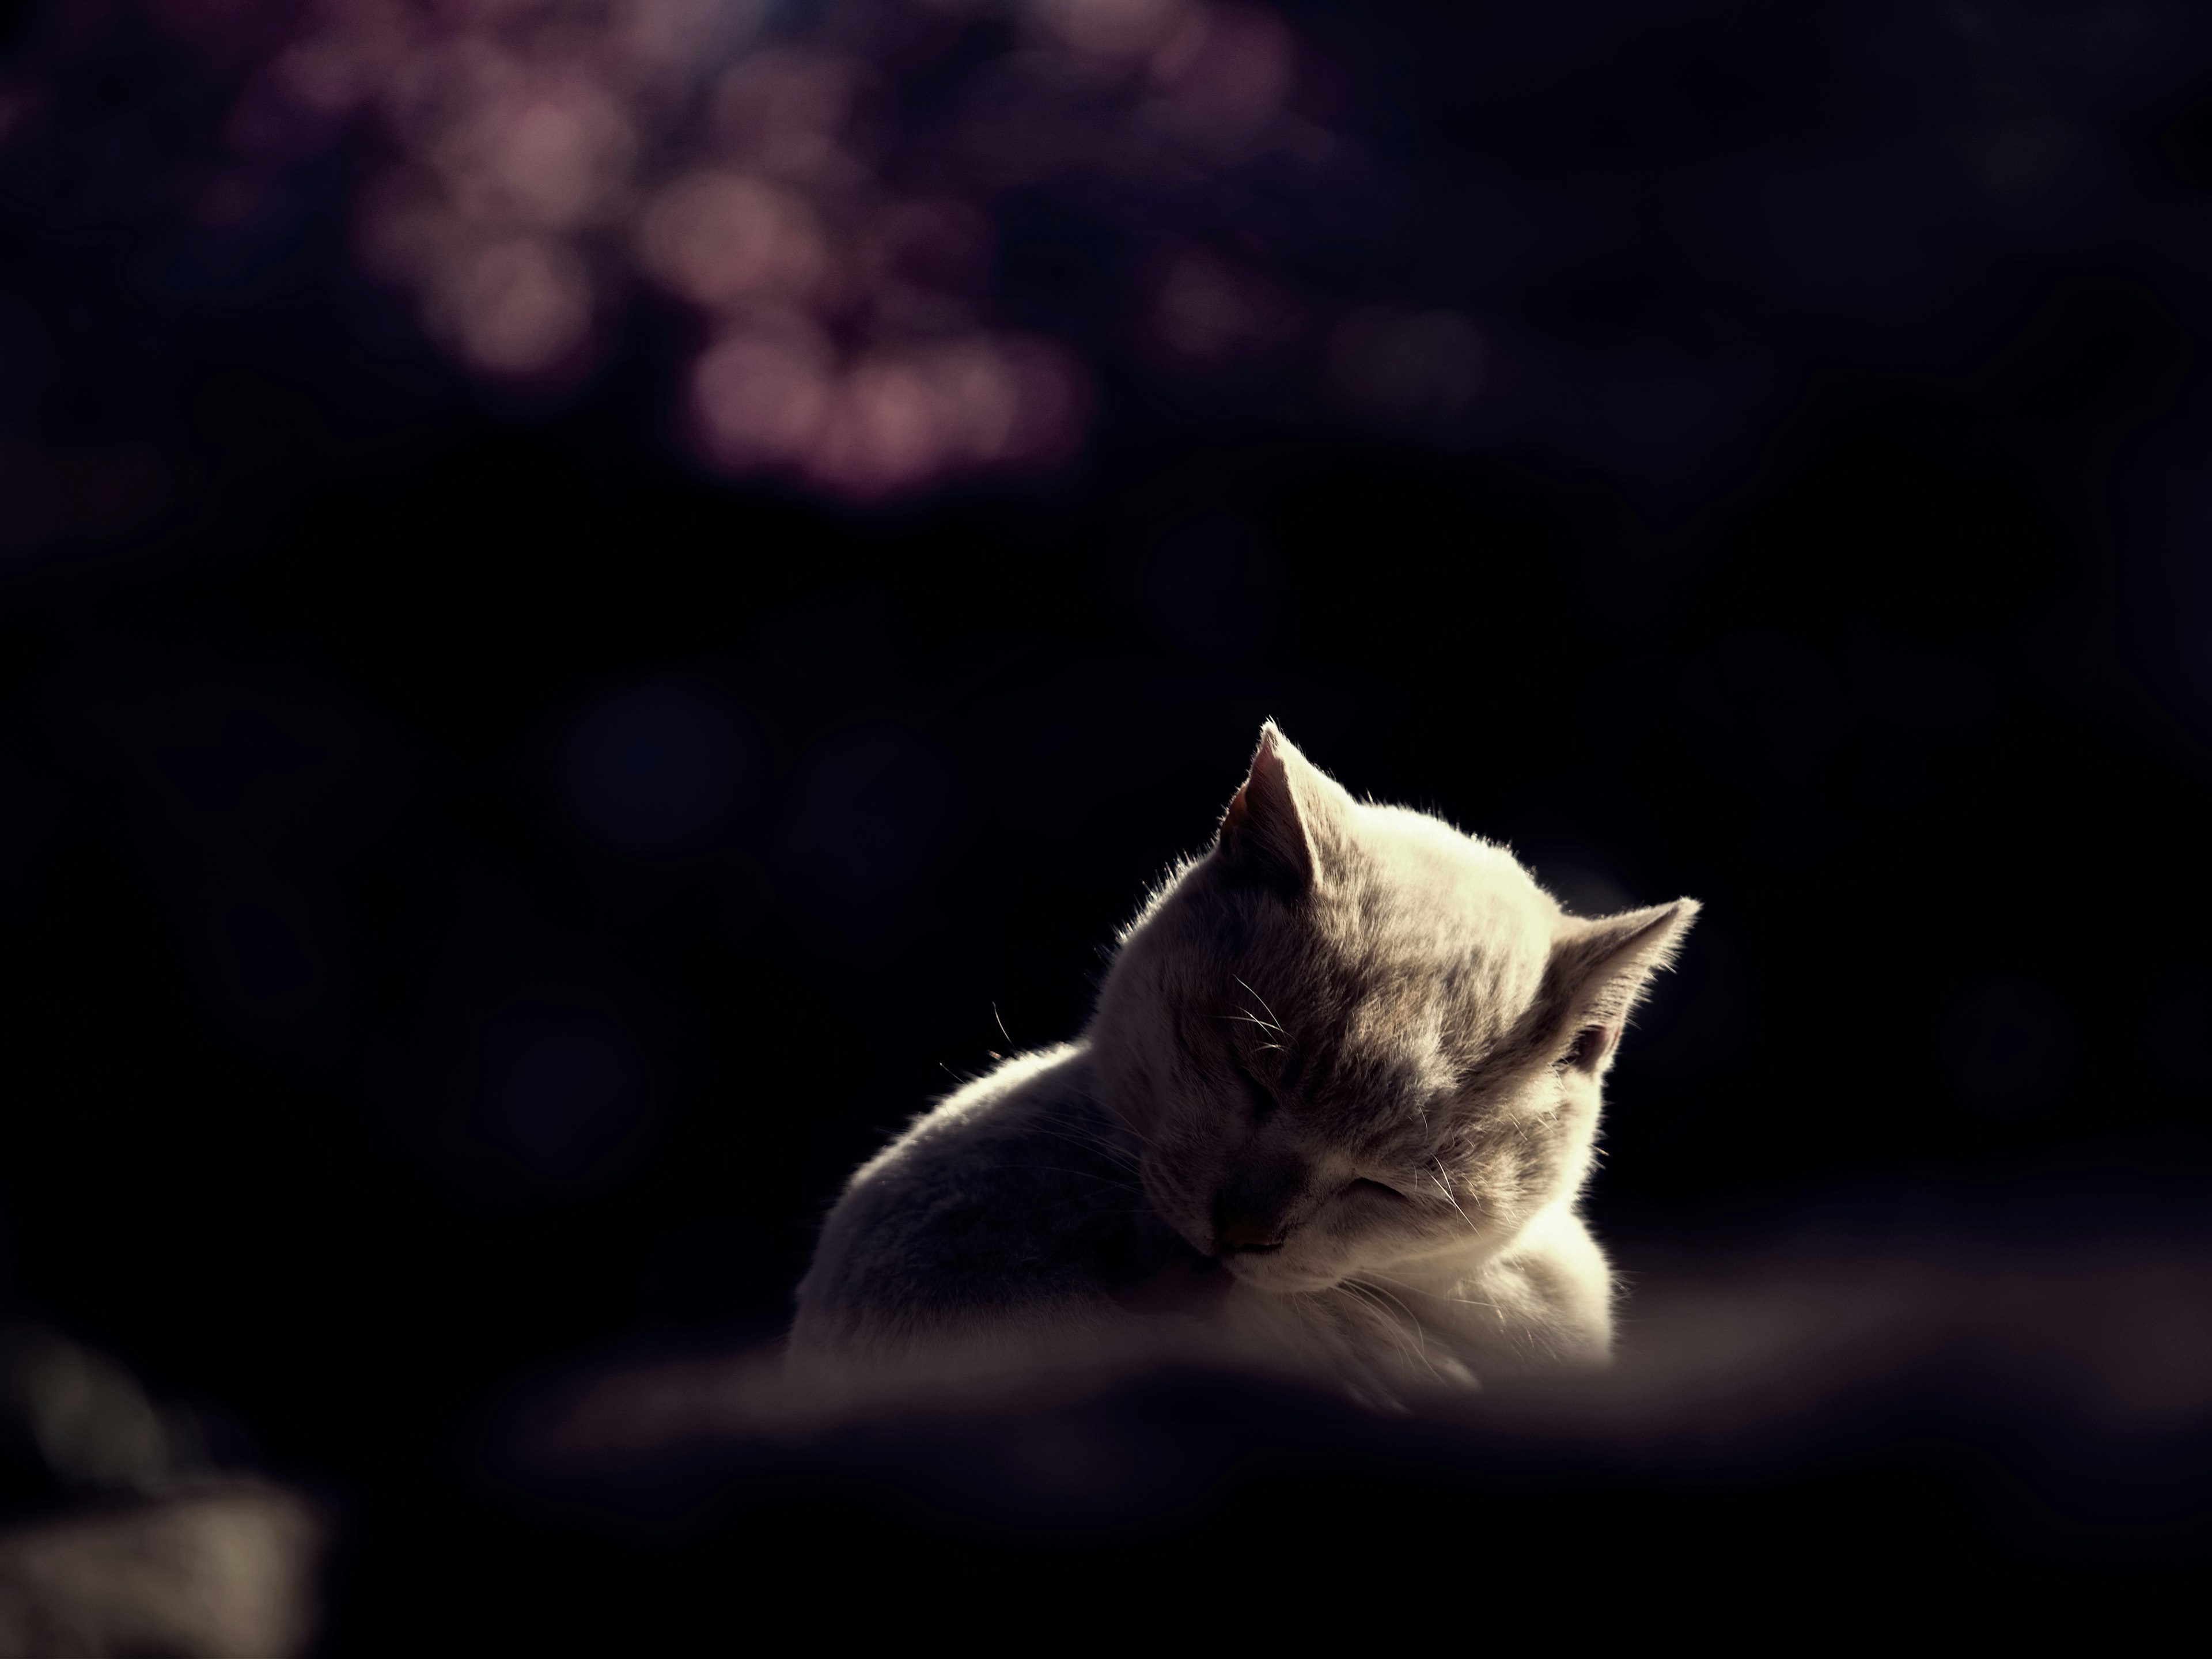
<point>1333,1113</point>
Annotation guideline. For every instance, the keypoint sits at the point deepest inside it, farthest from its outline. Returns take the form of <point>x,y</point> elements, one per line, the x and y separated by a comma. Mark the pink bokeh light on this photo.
<point>776,397</point>
<point>1226,73</point>
<point>760,397</point>
<point>514,306</point>
<point>548,147</point>
<point>534,168</point>
<point>1111,34</point>
<point>784,113</point>
<point>721,239</point>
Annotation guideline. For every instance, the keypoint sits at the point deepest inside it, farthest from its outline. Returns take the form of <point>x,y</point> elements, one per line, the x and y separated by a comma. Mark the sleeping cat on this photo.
<point>1332,1113</point>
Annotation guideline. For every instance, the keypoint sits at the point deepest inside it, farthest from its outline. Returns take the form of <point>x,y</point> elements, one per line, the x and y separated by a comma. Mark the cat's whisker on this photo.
<point>1091,1141</point>
<point>1054,1168</point>
<point>1135,1133</point>
<point>1254,1021</point>
<point>1444,1187</point>
<point>1445,1295</point>
<point>1418,1347</point>
<point>1372,1276</point>
<point>1409,1342</point>
<point>1441,1296</point>
<point>1263,1001</point>
<point>1123,1126</point>
<point>1377,1290</point>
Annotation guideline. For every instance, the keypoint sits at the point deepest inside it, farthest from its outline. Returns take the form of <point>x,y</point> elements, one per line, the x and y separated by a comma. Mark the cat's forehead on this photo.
<point>1432,944</point>
<point>1418,889</point>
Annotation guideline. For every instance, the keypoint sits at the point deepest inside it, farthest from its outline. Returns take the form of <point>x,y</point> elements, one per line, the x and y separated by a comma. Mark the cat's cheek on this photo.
<point>1173,1204</point>
<point>1372,1212</point>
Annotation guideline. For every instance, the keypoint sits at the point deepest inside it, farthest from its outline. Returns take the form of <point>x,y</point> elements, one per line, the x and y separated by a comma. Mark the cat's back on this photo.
<point>1010,1203</point>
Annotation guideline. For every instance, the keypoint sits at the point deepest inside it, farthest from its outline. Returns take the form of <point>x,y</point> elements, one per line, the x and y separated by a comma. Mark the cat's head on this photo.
<point>1351,1035</point>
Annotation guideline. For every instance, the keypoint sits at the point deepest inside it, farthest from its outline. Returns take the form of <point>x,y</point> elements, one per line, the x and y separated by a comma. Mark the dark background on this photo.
<point>471,884</point>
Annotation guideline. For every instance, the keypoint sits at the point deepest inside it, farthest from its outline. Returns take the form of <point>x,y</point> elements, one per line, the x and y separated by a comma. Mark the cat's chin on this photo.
<point>1278,1277</point>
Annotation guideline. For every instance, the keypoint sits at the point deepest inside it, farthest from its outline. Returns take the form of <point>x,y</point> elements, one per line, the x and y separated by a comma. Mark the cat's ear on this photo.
<point>1599,972</point>
<point>1267,835</point>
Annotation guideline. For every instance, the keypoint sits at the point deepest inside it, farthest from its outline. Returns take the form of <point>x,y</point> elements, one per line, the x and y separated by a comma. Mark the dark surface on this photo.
<point>1889,1427</point>
<point>470,887</point>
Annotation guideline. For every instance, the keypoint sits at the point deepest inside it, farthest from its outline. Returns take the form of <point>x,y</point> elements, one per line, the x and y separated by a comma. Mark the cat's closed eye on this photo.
<point>1589,1048</point>
<point>1373,1189</point>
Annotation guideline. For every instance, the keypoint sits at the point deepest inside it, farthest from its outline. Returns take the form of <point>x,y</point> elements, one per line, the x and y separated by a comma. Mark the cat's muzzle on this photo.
<point>1254,1208</point>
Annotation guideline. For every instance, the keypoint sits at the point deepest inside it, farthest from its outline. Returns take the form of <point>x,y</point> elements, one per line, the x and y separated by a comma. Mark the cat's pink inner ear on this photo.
<point>1262,829</point>
<point>1234,819</point>
<point>1266,787</point>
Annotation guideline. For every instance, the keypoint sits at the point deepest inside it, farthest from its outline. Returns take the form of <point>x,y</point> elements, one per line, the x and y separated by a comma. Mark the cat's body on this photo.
<point>1006,1225</point>
<point>1332,1114</point>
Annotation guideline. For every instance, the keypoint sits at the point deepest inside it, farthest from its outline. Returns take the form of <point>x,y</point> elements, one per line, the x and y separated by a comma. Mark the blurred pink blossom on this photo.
<point>534,161</point>
<point>1226,72</point>
<point>718,238</point>
<point>887,430</point>
<point>772,396</point>
<point>760,397</point>
<point>666,39</point>
<point>1111,33</point>
<point>552,150</point>
<point>783,112</point>
<point>518,307</point>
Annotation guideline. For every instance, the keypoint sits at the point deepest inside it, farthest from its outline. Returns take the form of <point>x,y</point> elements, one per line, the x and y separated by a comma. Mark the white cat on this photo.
<point>1332,1113</point>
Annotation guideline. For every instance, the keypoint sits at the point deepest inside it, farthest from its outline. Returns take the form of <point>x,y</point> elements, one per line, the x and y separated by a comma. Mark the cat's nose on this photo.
<point>1251,1211</point>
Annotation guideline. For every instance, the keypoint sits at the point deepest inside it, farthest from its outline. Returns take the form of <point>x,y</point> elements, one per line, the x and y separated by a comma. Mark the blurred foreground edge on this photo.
<point>1941,1416</point>
<point>122,1536</point>
<point>224,1571</point>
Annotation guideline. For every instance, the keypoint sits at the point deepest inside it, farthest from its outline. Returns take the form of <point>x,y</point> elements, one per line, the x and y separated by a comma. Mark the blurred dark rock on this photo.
<point>1921,1416</point>
<point>121,1540</point>
<point>225,1570</point>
